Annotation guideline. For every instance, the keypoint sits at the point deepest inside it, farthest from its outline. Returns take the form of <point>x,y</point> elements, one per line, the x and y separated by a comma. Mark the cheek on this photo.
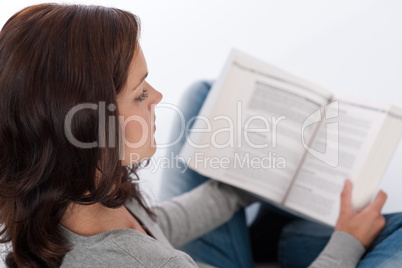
<point>136,140</point>
<point>136,131</point>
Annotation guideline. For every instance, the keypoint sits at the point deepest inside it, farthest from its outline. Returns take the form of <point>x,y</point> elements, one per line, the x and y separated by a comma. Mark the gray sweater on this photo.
<point>179,221</point>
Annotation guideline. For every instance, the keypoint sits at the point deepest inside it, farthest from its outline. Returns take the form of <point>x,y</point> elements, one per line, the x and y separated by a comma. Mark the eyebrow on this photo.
<point>142,80</point>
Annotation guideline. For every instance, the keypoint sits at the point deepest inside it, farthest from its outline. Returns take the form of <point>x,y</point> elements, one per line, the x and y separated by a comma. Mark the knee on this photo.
<point>199,88</point>
<point>193,99</point>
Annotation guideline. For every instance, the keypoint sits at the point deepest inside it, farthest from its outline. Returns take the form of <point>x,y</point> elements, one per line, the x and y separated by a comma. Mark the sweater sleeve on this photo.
<point>342,250</point>
<point>195,213</point>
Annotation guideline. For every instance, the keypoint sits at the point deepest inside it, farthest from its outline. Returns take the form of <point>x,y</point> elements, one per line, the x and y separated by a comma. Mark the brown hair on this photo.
<point>53,57</point>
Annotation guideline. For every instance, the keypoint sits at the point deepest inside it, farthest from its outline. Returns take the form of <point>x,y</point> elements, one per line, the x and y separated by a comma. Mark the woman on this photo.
<point>76,123</point>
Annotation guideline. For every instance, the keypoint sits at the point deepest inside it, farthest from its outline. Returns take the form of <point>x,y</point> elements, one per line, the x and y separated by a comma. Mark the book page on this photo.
<point>349,129</point>
<point>392,182</point>
<point>252,135</point>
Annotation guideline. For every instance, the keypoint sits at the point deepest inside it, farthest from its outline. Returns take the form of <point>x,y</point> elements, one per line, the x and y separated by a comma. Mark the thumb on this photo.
<point>346,196</point>
<point>379,201</point>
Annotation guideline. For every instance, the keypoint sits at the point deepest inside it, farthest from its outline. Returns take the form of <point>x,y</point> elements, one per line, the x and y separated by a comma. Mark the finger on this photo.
<point>346,196</point>
<point>379,200</point>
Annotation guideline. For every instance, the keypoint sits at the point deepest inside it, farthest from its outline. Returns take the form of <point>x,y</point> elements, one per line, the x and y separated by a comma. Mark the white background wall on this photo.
<point>348,46</point>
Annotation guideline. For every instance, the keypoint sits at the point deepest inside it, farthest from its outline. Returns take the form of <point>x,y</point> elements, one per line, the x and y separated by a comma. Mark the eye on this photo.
<point>143,95</point>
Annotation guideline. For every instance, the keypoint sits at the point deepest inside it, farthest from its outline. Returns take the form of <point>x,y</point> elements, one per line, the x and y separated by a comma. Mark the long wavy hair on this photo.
<point>53,57</point>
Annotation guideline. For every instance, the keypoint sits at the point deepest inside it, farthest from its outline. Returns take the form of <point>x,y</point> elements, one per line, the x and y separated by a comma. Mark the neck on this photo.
<point>93,219</point>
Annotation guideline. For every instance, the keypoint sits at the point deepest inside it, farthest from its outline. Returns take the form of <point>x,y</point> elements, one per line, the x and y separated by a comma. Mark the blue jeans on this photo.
<point>229,245</point>
<point>302,241</point>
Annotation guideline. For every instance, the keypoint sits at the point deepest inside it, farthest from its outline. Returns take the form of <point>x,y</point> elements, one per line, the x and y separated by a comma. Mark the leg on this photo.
<point>228,245</point>
<point>386,251</point>
<point>179,179</point>
<point>302,241</point>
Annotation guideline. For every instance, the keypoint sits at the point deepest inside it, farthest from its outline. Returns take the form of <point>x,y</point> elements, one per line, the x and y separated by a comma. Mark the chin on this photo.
<point>135,158</point>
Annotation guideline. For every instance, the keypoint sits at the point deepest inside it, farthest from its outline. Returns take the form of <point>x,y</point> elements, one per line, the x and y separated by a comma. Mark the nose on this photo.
<point>155,95</point>
<point>159,96</point>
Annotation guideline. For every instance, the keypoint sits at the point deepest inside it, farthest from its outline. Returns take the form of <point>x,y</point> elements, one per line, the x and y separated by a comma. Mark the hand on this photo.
<point>364,225</point>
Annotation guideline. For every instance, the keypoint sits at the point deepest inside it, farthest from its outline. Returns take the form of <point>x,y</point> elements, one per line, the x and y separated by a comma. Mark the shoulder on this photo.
<point>124,248</point>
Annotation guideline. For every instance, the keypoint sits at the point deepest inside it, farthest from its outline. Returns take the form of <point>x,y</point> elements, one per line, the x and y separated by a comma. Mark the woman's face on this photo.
<point>136,104</point>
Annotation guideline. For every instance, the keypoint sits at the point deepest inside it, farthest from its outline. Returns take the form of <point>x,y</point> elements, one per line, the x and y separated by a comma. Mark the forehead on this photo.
<point>137,70</point>
<point>138,65</point>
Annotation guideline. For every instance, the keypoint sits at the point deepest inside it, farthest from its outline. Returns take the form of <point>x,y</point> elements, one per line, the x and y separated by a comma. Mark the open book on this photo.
<point>291,142</point>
